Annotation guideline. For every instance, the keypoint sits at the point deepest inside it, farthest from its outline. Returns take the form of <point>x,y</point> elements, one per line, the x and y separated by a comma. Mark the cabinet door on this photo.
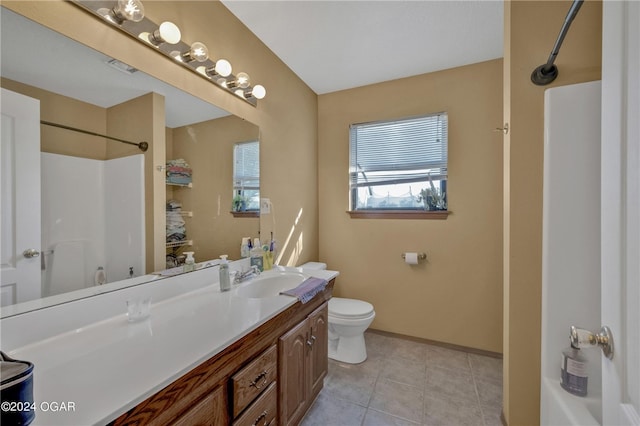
<point>319,324</point>
<point>209,411</point>
<point>293,366</point>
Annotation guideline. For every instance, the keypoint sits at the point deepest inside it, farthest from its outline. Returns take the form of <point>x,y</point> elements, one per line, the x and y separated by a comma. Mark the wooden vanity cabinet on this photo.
<point>285,358</point>
<point>302,365</point>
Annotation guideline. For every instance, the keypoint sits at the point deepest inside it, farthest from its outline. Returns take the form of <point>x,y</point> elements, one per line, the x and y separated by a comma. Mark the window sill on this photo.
<point>399,214</point>
<point>254,213</point>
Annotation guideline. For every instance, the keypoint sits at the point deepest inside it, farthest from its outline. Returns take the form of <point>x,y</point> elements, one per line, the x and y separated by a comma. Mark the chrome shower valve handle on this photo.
<point>581,339</point>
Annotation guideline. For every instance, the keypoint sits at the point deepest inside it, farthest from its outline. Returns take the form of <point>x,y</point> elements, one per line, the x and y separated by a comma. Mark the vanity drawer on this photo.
<point>263,411</point>
<point>251,380</point>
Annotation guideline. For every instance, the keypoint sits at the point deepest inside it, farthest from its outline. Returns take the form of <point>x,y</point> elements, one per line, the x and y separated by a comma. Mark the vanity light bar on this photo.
<point>166,39</point>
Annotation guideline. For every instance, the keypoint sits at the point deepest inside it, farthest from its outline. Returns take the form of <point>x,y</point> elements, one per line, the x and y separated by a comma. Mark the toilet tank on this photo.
<point>313,265</point>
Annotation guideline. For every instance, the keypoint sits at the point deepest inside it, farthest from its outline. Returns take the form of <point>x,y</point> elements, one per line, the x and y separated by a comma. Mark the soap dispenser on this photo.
<point>225,282</point>
<point>189,263</point>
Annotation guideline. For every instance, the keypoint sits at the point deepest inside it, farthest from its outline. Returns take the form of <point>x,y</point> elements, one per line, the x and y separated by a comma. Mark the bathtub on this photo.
<point>559,407</point>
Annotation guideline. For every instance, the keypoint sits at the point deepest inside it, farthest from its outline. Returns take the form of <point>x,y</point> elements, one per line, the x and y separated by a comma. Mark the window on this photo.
<point>246,176</point>
<point>399,164</point>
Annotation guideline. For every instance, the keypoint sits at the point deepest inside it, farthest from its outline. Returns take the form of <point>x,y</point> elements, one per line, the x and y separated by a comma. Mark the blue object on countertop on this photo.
<point>307,289</point>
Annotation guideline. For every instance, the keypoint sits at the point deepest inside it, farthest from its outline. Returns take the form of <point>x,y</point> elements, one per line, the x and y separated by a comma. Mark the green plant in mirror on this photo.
<point>239,203</point>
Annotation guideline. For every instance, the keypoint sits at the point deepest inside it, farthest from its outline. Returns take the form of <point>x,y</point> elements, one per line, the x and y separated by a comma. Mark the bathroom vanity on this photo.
<point>202,357</point>
<point>271,376</point>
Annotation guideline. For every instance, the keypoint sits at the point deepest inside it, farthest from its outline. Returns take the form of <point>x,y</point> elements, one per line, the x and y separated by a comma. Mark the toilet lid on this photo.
<point>349,308</point>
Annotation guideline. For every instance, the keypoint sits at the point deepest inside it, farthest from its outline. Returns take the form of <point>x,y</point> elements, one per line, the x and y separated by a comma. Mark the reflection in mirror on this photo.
<point>97,196</point>
<point>246,177</point>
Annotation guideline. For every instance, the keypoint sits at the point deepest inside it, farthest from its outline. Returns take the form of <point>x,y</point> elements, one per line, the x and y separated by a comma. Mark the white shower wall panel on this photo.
<point>124,218</point>
<point>72,221</point>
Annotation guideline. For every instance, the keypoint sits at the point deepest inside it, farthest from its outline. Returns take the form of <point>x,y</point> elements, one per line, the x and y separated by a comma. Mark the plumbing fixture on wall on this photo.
<point>128,16</point>
<point>548,72</point>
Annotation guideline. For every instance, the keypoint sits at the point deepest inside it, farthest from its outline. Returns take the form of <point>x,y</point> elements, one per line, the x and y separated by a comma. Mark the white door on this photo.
<point>621,210</point>
<point>20,203</point>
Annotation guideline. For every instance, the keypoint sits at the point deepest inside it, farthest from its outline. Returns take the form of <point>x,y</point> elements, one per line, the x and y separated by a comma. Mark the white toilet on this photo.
<point>348,320</point>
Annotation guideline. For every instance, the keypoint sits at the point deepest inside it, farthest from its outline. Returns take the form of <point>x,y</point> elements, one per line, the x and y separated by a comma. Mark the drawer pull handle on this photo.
<point>260,381</point>
<point>263,415</point>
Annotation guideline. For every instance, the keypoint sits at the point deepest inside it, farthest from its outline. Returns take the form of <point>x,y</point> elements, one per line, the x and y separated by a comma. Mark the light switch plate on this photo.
<point>265,206</point>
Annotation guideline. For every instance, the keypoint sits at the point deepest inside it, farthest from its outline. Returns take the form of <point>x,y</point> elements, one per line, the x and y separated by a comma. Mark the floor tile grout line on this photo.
<point>475,386</point>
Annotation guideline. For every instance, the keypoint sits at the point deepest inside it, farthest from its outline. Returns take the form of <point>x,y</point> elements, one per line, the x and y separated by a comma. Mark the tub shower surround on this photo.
<point>98,223</point>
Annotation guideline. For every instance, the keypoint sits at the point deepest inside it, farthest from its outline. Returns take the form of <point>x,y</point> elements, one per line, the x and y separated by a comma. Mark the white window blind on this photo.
<point>404,155</point>
<point>246,170</point>
<point>246,176</point>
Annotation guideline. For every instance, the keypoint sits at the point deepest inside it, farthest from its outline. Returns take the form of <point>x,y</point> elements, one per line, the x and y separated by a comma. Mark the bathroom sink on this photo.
<point>270,284</point>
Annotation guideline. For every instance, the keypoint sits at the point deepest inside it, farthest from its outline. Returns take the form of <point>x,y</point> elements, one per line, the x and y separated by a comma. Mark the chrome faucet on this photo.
<point>254,271</point>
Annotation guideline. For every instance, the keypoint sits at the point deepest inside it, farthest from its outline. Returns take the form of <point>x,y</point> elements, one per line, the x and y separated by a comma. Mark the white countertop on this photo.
<point>103,369</point>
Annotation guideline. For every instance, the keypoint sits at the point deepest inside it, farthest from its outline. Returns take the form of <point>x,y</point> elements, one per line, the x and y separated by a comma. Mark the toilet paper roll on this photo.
<point>411,258</point>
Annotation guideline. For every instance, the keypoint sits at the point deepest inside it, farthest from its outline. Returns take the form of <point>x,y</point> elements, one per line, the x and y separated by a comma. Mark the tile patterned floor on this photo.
<point>410,383</point>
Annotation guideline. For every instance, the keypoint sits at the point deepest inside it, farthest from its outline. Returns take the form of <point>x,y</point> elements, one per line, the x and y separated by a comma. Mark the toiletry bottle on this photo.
<point>244,247</point>
<point>267,257</point>
<point>100,277</point>
<point>225,282</point>
<point>189,263</point>
<point>573,372</point>
<point>257,258</point>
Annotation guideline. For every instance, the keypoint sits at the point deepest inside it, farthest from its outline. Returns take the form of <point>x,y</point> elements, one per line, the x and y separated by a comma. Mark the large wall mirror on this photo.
<point>97,195</point>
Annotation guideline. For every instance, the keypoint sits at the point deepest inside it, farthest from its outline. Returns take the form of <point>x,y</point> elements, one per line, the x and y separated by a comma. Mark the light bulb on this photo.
<point>169,32</point>
<point>239,92</point>
<point>258,91</point>
<point>242,80</point>
<point>223,68</point>
<point>198,52</point>
<point>128,10</point>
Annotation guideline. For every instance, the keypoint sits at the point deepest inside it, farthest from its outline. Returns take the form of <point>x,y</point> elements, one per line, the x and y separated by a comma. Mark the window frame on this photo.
<point>398,212</point>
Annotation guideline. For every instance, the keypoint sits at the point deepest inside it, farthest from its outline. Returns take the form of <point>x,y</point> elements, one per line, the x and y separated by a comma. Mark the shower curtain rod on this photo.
<point>142,145</point>
<point>548,72</point>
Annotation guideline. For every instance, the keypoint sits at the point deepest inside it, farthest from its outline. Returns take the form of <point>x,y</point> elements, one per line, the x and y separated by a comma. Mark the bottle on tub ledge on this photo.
<point>573,371</point>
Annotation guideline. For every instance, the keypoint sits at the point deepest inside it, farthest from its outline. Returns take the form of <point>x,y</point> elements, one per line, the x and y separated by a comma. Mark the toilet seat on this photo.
<point>349,308</point>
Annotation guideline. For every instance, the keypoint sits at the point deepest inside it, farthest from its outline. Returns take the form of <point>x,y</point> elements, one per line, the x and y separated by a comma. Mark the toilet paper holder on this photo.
<point>421,256</point>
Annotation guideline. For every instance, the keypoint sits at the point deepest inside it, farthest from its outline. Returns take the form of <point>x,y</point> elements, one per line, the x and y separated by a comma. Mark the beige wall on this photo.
<point>456,297</point>
<point>70,112</point>
<point>143,119</point>
<point>208,148</point>
<point>531,28</point>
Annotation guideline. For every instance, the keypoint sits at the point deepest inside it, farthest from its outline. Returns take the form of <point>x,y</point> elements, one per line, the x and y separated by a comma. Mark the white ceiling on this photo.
<point>336,45</point>
<point>331,45</point>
